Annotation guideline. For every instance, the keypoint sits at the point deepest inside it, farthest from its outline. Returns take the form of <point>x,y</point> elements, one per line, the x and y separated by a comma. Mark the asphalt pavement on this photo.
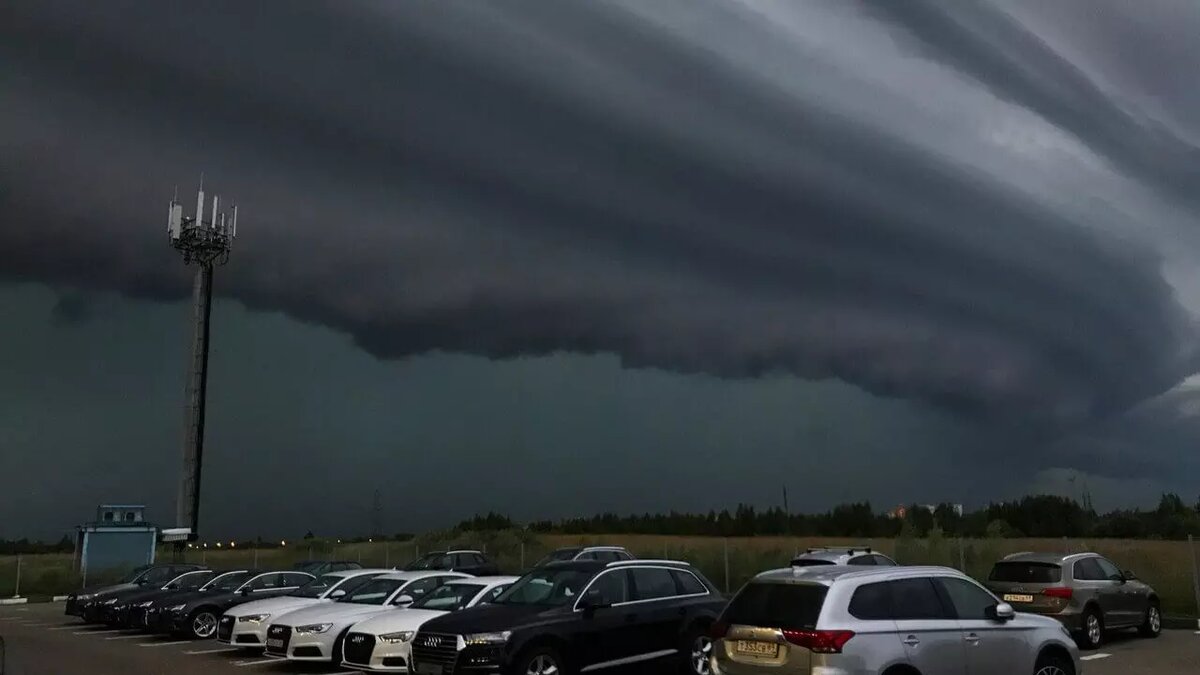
<point>41,640</point>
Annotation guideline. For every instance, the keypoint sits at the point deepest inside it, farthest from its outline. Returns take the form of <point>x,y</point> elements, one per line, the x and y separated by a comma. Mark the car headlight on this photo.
<point>497,638</point>
<point>313,628</point>
<point>253,618</point>
<point>177,608</point>
<point>394,638</point>
<point>146,603</point>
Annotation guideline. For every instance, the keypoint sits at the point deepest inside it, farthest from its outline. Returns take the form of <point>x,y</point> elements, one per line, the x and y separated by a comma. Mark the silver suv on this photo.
<point>843,555</point>
<point>1086,592</point>
<point>883,621</point>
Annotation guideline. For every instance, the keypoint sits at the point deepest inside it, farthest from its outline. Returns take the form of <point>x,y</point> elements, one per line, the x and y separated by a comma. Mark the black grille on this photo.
<point>435,649</point>
<point>358,647</point>
<point>72,605</point>
<point>225,628</point>
<point>283,633</point>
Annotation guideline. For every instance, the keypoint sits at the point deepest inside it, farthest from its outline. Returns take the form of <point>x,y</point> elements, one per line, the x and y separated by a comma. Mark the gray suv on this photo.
<point>844,555</point>
<point>882,621</point>
<point>1085,591</point>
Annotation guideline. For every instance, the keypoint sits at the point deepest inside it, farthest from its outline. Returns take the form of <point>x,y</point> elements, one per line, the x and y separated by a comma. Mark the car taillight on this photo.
<point>1064,593</point>
<point>718,630</point>
<point>819,641</point>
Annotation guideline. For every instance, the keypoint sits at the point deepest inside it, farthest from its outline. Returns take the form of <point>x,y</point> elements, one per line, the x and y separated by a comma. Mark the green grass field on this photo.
<point>1167,565</point>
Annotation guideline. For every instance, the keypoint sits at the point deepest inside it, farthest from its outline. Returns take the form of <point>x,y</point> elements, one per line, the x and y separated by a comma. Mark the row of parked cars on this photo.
<point>583,609</point>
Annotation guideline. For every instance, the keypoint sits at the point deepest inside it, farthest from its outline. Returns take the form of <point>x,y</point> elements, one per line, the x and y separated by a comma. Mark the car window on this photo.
<point>783,606</point>
<point>1087,569</point>
<point>1026,573</point>
<point>589,555</point>
<point>159,575</point>
<point>417,589</point>
<point>1109,570</point>
<point>884,561</point>
<point>916,599</point>
<point>448,597</point>
<point>610,588</point>
<point>970,602</point>
<point>871,602</point>
<point>650,583</point>
<point>265,582</point>
<point>862,560</point>
<point>810,562</point>
<point>295,579</point>
<point>686,583</point>
<point>444,563</point>
<point>192,580</point>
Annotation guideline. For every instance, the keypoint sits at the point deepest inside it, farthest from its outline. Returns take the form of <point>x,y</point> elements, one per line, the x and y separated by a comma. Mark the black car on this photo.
<point>125,608</point>
<point>467,562</point>
<point>319,567</point>
<point>575,616</point>
<point>84,602</point>
<point>195,614</point>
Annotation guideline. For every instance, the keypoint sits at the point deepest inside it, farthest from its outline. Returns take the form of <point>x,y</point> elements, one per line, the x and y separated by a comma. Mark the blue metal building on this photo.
<point>118,539</point>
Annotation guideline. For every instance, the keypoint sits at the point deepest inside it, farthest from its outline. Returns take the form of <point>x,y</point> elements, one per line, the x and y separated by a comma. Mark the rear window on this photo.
<point>1026,572</point>
<point>810,562</point>
<point>784,606</point>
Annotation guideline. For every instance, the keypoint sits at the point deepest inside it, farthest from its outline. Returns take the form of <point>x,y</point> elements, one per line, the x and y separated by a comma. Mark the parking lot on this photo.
<point>40,640</point>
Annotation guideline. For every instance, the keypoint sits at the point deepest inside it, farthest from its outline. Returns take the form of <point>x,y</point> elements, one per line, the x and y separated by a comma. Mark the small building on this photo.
<point>118,539</point>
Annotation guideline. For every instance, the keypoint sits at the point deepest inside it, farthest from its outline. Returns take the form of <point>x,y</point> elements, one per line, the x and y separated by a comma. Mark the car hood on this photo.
<point>391,622</point>
<point>105,589</point>
<point>331,612</point>
<point>276,606</point>
<point>491,618</point>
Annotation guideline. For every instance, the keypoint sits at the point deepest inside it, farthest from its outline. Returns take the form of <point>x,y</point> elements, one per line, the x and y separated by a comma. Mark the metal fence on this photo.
<point>1170,566</point>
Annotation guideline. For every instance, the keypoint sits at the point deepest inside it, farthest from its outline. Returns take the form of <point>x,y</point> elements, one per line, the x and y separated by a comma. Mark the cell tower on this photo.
<point>205,243</point>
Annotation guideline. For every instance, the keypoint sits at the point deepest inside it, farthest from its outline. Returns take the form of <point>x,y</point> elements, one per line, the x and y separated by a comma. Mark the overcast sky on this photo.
<point>553,258</point>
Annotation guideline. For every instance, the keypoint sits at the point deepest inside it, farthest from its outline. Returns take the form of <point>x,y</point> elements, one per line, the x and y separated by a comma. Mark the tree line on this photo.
<point>1032,516</point>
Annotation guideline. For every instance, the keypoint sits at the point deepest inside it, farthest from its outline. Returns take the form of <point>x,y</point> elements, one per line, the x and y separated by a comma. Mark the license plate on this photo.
<point>1017,597</point>
<point>277,644</point>
<point>429,669</point>
<point>756,648</point>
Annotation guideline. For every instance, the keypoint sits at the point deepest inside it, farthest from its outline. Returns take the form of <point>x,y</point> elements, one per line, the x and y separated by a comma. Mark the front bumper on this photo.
<point>310,646</point>
<point>367,652</point>
<point>74,607</point>
<point>236,633</point>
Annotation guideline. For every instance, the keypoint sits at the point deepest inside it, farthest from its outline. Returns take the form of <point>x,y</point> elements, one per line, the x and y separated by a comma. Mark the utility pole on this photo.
<point>206,244</point>
<point>376,516</point>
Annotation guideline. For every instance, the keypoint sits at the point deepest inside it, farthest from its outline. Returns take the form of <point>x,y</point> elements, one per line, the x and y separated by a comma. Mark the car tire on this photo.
<point>1091,634</point>
<point>1152,624</point>
<point>1053,664</point>
<point>541,661</point>
<point>696,651</point>
<point>202,624</point>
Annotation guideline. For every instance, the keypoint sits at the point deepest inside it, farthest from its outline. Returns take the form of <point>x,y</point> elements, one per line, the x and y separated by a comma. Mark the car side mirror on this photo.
<point>1129,576</point>
<point>1002,612</point>
<point>403,601</point>
<point>339,593</point>
<point>592,602</point>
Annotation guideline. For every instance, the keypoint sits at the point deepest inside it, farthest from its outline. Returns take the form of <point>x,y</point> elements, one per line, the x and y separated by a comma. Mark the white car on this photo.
<point>315,633</point>
<point>246,625</point>
<point>383,643</point>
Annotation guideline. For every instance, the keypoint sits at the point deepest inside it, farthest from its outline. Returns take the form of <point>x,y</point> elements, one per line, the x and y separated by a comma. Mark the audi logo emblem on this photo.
<point>357,638</point>
<point>276,631</point>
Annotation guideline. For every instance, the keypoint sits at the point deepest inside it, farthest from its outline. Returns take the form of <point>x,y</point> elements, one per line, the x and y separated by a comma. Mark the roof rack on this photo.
<point>636,561</point>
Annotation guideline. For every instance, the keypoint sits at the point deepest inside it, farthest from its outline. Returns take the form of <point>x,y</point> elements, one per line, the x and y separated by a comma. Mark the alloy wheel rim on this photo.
<point>1093,629</point>
<point>1050,670</point>
<point>204,624</point>
<point>542,665</point>
<point>1155,619</point>
<point>701,650</point>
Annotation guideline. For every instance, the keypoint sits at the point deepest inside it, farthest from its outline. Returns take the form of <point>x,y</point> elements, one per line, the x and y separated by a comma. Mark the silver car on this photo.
<point>841,620</point>
<point>1086,592</point>
<point>842,555</point>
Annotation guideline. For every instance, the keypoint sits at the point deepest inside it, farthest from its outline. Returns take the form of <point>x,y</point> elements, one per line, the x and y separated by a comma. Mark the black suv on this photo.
<point>467,562</point>
<point>575,616</point>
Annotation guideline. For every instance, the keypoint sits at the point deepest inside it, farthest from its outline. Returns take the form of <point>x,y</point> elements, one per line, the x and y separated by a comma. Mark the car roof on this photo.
<point>1053,558</point>
<point>414,574</point>
<point>828,574</point>
<point>486,581</point>
<point>465,550</point>
<point>603,548</point>
<point>358,571</point>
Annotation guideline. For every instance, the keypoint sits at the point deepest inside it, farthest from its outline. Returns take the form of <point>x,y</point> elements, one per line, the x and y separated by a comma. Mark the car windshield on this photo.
<point>135,574</point>
<point>784,606</point>
<point>226,582</point>
<point>547,586</point>
<point>449,597</point>
<point>308,565</point>
<point>1026,572</point>
<point>374,592</point>
<point>425,562</point>
<point>561,555</point>
<point>317,587</point>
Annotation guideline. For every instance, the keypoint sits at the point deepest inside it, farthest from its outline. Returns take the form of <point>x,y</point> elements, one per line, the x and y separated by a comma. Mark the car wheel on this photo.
<point>1092,635</point>
<point>540,661</point>
<point>697,650</point>
<point>203,624</point>
<point>1152,625</point>
<point>1053,664</point>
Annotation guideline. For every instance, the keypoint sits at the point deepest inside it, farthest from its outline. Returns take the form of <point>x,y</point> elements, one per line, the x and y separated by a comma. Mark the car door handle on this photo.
<point>912,641</point>
<point>972,638</point>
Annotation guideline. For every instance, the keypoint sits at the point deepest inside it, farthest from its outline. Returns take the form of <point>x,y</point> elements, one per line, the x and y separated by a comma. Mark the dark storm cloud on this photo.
<point>533,177</point>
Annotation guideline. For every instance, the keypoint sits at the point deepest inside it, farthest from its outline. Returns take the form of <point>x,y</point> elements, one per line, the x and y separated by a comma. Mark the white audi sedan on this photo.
<point>383,643</point>
<point>316,633</point>
<point>246,625</point>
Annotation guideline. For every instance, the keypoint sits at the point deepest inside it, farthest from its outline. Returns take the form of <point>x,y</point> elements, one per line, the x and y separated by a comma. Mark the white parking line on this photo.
<point>218,650</point>
<point>1093,657</point>
<point>255,663</point>
<point>125,637</point>
<point>97,632</point>
<point>71,627</point>
<point>164,644</point>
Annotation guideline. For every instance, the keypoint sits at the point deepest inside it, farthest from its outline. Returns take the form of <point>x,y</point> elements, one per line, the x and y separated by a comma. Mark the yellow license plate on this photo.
<point>756,648</point>
<point>1017,598</point>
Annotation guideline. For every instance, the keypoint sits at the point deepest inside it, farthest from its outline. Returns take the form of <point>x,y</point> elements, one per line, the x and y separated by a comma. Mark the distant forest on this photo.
<point>1034,516</point>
